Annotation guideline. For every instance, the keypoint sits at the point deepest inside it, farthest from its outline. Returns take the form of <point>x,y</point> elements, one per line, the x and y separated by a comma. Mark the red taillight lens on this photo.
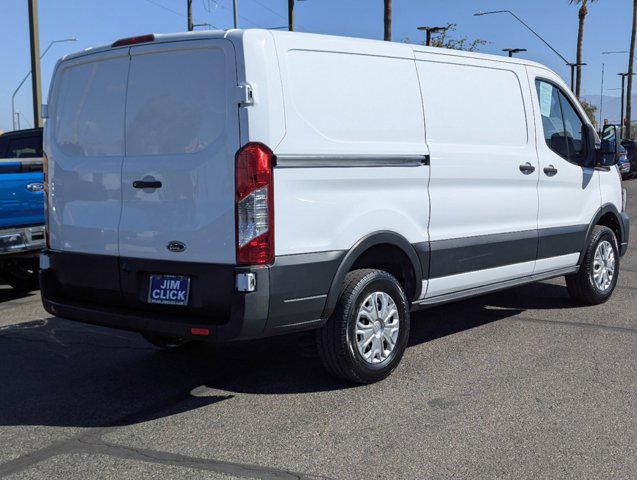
<point>122,42</point>
<point>45,171</point>
<point>254,205</point>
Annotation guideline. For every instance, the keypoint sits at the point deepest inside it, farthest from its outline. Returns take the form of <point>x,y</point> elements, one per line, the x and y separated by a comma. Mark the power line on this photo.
<point>157,4</point>
<point>219,4</point>
<point>276,13</point>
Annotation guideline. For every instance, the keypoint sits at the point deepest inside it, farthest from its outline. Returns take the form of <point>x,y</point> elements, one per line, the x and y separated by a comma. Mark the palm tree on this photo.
<point>387,18</point>
<point>583,10</point>
<point>631,60</point>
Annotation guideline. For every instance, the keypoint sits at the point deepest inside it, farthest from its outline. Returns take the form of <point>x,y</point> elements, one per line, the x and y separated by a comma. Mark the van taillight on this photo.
<point>254,204</point>
<point>122,42</point>
<point>45,171</point>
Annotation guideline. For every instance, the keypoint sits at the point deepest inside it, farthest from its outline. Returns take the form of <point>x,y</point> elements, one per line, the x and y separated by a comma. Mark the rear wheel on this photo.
<point>366,336</point>
<point>163,341</point>
<point>596,279</point>
<point>22,274</point>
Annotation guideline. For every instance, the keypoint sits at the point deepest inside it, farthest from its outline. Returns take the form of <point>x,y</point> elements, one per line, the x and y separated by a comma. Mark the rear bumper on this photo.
<point>19,240</point>
<point>111,292</point>
<point>625,226</point>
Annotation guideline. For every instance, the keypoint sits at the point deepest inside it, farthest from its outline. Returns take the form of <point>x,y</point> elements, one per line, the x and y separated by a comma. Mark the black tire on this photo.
<point>336,340</point>
<point>581,285</point>
<point>22,274</point>
<point>164,342</point>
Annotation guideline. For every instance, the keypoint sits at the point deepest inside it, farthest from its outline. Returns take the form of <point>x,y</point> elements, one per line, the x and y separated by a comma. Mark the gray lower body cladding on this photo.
<point>291,294</point>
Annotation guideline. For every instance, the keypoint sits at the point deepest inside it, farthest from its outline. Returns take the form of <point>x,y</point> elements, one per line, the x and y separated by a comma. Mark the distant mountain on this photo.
<point>611,106</point>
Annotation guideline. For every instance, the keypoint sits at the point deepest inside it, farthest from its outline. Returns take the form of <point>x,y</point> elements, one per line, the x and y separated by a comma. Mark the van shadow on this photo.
<point>55,372</point>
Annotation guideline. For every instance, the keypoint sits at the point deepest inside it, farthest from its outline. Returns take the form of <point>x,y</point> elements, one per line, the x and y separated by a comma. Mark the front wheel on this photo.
<point>22,274</point>
<point>366,336</point>
<point>596,279</point>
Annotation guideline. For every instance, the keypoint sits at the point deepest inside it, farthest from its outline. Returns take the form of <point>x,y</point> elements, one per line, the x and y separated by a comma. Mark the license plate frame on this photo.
<point>175,292</point>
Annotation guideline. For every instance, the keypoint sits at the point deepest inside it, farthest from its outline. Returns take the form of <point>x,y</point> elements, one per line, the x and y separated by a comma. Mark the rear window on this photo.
<point>25,147</point>
<point>176,101</point>
<point>89,108</point>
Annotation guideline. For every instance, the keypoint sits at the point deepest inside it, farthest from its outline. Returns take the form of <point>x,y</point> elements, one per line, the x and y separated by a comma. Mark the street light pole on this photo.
<point>511,51</point>
<point>291,15</point>
<point>572,65</point>
<point>429,30</point>
<point>72,39</point>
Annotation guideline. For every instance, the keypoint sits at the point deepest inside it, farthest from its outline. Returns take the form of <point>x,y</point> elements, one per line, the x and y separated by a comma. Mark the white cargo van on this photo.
<point>237,184</point>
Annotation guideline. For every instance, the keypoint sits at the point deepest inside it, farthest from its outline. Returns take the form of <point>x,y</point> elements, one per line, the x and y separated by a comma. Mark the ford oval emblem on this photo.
<point>176,246</point>
<point>35,187</point>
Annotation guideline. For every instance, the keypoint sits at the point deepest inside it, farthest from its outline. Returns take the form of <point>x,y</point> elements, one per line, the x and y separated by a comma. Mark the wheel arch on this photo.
<point>391,240</point>
<point>609,216</point>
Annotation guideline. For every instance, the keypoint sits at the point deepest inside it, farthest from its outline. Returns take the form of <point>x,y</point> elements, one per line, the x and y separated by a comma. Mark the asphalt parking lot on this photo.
<point>518,384</point>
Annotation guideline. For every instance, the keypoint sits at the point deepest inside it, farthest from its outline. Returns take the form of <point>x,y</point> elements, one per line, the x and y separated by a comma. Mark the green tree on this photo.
<point>631,61</point>
<point>590,110</point>
<point>583,11</point>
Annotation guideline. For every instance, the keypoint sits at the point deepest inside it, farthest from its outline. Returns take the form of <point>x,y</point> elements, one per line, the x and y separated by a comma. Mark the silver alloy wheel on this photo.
<point>377,325</point>
<point>604,265</point>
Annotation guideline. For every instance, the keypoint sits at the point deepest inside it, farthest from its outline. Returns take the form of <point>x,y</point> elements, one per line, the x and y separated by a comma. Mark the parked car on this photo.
<point>21,207</point>
<point>631,152</point>
<point>294,182</point>
<point>622,163</point>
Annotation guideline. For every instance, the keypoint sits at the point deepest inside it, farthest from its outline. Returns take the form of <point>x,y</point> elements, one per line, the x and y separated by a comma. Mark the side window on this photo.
<point>563,128</point>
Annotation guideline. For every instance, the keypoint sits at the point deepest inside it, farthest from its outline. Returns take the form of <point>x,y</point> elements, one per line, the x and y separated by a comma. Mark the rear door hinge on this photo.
<point>245,96</point>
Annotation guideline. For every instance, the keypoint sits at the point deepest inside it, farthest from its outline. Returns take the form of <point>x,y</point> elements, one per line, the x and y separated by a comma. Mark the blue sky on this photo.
<point>96,22</point>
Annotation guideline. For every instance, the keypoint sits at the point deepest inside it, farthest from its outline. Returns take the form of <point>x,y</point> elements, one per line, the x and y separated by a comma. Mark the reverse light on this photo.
<point>254,205</point>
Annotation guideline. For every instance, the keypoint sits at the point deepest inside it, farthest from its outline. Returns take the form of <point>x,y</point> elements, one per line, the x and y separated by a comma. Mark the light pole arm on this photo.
<point>530,29</point>
<point>15,92</point>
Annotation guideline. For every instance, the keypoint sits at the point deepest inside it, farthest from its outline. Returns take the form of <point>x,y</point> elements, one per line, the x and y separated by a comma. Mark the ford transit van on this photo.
<point>233,185</point>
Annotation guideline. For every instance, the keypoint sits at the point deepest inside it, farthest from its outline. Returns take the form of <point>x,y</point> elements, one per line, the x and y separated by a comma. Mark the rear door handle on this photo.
<point>527,168</point>
<point>550,170</point>
<point>147,184</point>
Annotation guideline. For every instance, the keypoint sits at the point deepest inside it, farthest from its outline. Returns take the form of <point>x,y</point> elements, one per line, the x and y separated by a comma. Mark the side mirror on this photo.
<point>609,147</point>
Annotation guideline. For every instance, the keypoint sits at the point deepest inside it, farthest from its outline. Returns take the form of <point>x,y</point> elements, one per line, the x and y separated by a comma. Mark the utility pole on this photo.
<point>621,119</point>
<point>387,20</point>
<point>189,7</point>
<point>291,15</point>
<point>34,38</point>
<point>235,13</point>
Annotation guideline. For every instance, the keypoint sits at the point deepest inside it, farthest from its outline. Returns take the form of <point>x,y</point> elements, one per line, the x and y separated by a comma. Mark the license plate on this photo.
<point>169,289</point>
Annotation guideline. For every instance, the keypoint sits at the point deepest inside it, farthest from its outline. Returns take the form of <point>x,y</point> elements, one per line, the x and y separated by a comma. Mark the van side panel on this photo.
<point>350,162</point>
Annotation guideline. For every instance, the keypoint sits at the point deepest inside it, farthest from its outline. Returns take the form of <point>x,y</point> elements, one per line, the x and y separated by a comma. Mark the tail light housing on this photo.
<point>254,205</point>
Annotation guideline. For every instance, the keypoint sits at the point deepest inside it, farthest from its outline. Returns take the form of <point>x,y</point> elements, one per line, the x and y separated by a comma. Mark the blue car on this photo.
<point>22,233</point>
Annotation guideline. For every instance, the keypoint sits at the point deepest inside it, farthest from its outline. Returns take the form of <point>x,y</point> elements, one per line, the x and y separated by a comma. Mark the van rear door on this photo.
<point>84,141</point>
<point>182,133</point>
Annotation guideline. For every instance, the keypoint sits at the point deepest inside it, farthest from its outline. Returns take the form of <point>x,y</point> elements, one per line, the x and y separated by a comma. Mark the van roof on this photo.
<point>392,48</point>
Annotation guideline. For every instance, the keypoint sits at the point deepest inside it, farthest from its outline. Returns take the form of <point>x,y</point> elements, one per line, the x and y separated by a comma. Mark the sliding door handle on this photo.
<point>550,170</point>
<point>527,168</point>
